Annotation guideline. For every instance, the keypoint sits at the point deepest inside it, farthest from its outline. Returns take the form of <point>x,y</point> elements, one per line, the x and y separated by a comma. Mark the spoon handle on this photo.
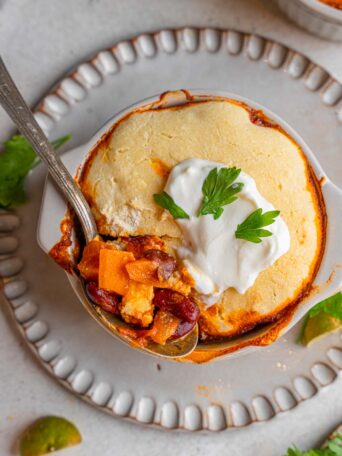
<point>15,106</point>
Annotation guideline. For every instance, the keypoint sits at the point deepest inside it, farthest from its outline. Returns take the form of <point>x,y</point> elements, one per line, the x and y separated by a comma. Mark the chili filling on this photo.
<point>136,279</point>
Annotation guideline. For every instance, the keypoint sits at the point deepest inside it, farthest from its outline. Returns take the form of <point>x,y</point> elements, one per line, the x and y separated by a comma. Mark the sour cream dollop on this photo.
<point>211,253</point>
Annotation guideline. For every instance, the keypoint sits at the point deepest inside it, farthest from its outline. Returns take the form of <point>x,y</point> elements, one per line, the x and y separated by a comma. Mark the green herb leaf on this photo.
<point>332,448</point>
<point>323,318</point>
<point>218,190</point>
<point>250,230</point>
<point>336,447</point>
<point>164,200</point>
<point>294,452</point>
<point>16,161</point>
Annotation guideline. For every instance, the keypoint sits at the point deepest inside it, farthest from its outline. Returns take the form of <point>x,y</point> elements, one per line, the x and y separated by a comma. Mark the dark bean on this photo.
<point>166,263</point>
<point>181,306</point>
<point>184,328</point>
<point>107,300</point>
<point>139,244</point>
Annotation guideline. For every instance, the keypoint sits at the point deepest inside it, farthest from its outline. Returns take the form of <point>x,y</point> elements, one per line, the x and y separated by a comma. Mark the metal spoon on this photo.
<point>15,106</point>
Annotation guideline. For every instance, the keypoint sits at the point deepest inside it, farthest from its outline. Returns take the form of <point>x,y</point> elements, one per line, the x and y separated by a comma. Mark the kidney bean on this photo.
<point>166,263</point>
<point>184,328</point>
<point>105,299</point>
<point>181,306</point>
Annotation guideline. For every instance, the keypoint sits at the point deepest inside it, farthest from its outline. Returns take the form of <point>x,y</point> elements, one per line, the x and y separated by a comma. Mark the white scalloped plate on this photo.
<point>77,352</point>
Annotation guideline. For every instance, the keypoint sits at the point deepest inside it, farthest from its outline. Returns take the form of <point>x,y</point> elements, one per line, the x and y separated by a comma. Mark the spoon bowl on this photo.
<point>178,348</point>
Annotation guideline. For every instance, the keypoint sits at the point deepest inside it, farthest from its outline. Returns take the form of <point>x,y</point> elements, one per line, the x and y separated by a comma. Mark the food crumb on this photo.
<point>281,366</point>
<point>203,391</point>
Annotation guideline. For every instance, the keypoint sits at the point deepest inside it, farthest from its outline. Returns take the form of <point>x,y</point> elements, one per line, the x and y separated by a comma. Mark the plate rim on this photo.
<point>192,39</point>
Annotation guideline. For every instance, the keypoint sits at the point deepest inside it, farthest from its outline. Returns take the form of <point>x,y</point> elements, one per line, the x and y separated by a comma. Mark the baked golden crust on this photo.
<point>119,179</point>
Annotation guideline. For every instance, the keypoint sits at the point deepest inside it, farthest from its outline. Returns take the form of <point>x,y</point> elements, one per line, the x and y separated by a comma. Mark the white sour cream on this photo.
<point>213,256</point>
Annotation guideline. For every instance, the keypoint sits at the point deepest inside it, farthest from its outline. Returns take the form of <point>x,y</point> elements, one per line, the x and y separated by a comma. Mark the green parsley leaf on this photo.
<point>16,161</point>
<point>164,200</point>
<point>336,447</point>
<point>218,190</point>
<point>294,452</point>
<point>332,448</point>
<point>323,318</point>
<point>250,230</point>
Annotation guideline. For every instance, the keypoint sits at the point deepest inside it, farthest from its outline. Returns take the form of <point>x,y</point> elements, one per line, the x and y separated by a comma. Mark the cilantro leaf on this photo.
<point>218,190</point>
<point>332,448</point>
<point>250,230</point>
<point>164,200</point>
<point>16,161</point>
<point>335,445</point>
<point>294,452</point>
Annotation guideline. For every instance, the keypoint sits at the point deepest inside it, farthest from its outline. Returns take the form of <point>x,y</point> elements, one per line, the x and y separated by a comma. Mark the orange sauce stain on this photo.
<point>160,168</point>
<point>203,391</point>
<point>322,181</point>
<point>60,252</point>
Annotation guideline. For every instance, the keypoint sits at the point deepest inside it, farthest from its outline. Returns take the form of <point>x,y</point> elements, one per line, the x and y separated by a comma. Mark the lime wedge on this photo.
<point>48,434</point>
<point>317,326</point>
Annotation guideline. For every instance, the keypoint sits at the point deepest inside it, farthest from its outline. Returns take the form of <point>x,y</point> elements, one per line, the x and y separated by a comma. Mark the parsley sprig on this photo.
<point>251,229</point>
<point>219,189</point>
<point>332,448</point>
<point>164,200</point>
<point>16,161</point>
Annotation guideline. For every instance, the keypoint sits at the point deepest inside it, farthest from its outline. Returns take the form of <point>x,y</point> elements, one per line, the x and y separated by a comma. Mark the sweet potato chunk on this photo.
<point>112,271</point>
<point>164,326</point>
<point>137,304</point>
<point>89,264</point>
<point>144,271</point>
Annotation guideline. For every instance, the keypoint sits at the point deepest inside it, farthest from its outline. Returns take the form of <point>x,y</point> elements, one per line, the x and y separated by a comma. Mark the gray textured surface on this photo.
<point>40,40</point>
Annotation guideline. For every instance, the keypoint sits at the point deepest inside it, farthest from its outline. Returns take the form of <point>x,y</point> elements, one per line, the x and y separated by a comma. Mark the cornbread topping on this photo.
<point>208,212</point>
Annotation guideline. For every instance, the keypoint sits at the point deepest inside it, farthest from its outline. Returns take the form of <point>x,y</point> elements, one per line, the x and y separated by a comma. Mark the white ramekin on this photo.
<point>328,279</point>
<point>316,17</point>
